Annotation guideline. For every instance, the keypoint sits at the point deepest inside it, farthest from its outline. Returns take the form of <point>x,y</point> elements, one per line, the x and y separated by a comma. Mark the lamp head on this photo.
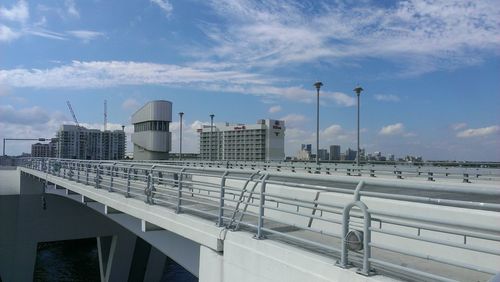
<point>358,89</point>
<point>318,84</point>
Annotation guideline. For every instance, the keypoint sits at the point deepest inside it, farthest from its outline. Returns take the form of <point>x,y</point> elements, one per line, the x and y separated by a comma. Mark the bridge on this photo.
<point>256,222</point>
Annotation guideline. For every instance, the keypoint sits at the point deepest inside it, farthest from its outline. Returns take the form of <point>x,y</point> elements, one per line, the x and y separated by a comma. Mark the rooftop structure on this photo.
<point>263,141</point>
<point>152,139</point>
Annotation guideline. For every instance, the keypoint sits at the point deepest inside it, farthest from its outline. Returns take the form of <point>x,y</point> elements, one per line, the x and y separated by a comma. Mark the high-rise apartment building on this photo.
<point>90,144</point>
<point>335,152</point>
<point>350,155</point>
<point>323,154</point>
<point>263,141</point>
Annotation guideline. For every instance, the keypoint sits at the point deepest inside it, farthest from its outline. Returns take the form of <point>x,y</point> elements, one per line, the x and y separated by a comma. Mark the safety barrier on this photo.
<point>464,174</point>
<point>355,220</point>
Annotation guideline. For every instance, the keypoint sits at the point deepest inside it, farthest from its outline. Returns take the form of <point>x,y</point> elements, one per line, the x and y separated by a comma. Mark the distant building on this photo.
<point>152,138</point>
<point>40,150</point>
<point>48,150</point>
<point>350,155</point>
<point>335,152</point>
<point>306,147</point>
<point>90,144</point>
<point>323,154</point>
<point>303,155</point>
<point>362,153</point>
<point>263,141</point>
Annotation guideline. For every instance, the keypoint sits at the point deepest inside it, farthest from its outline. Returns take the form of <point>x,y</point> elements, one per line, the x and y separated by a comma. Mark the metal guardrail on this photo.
<point>398,171</point>
<point>288,207</point>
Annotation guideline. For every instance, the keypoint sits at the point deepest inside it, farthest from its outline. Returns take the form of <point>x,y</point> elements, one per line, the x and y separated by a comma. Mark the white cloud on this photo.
<point>275,109</point>
<point>190,137</point>
<point>341,99</point>
<point>85,35</point>
<point>103,74</point>
<point>44,33</point>
<point>392,129</point>
<point>294,119</point>
<point>418,34</point>
<point>459,125</point>
<point>165,5</point>
<point>7,34</point>
<point>19,12</point>
<point>387,98</point>
<point>34,115</point>
<point>131,104</point>
<point>100,74</point>
<point>478,132</point>
<point>71,8</point>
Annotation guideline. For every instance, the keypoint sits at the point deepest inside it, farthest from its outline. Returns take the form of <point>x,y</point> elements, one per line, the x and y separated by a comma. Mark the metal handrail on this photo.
<point>268,212</point>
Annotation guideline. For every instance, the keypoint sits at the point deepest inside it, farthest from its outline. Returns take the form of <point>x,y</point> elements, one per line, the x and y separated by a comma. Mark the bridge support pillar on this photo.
<point>23,262</point>
<point>156,264</point>
<point>115,256</point>
<point>211,265</point>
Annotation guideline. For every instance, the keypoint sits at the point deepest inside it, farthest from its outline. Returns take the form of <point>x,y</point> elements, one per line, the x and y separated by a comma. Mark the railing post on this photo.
<point>78,172</point>
<point>178,181</point>
<point>87,174</point>
<point>262,202</point>
<point>149,186</point>
<point>220,221</point>
<point>344,262</point>
<point>128,181</point>
<point>111,178</point>
<point>430,176</point>
<point>97,180</point>
<point>466,178</point>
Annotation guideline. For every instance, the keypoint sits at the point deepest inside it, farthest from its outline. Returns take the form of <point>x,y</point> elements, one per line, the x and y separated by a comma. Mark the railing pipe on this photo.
<point>262,201</point>
<point>344,263</point>
<point>220,220</point>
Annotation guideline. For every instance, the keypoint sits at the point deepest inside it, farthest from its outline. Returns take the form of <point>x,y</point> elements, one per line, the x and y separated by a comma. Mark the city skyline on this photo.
<point>429,71</point>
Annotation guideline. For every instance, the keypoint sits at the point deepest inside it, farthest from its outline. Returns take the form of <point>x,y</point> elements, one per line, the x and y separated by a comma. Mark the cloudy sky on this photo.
<point>430,69</point>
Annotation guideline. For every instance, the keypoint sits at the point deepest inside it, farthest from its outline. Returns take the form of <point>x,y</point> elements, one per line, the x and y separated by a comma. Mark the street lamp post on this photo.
<point>180,136</point>
<point>211,133</point>
<point>318,85</point>
<point>358,90</point>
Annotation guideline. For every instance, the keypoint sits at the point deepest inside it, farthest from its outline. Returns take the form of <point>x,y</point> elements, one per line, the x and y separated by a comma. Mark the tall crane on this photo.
<point>105,114</point>
<point>73,114</point>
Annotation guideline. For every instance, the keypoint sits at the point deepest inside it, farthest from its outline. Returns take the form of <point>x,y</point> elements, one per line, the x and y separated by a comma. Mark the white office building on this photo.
<point>152,139</point>
<point>264,141</point>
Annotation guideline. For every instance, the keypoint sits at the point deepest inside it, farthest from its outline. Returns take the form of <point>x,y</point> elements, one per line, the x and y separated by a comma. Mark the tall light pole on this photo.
<point>358,90</point>
<point>318,85</point>
<point>180,136</point>
<point>211,133</point>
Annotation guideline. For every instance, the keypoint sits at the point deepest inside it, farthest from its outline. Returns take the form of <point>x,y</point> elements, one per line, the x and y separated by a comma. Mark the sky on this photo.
<point>430,69</point>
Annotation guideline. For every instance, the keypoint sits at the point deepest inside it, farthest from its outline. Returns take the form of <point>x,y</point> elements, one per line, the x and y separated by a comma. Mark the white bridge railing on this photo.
<point>430,172</point>
<point>417,231</point>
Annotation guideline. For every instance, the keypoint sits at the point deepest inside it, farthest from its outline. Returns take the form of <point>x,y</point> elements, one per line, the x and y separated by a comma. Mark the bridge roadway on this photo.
<point>293,226</point>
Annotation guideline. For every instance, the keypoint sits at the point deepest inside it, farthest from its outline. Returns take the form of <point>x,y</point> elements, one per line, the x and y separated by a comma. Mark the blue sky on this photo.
<point>430,69</point>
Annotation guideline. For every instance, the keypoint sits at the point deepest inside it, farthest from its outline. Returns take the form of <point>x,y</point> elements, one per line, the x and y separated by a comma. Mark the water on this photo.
<point>77,260</point>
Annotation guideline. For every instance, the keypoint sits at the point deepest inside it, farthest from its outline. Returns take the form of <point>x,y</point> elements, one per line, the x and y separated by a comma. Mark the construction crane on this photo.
<point>73,114</point>
<point>105,115</point>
